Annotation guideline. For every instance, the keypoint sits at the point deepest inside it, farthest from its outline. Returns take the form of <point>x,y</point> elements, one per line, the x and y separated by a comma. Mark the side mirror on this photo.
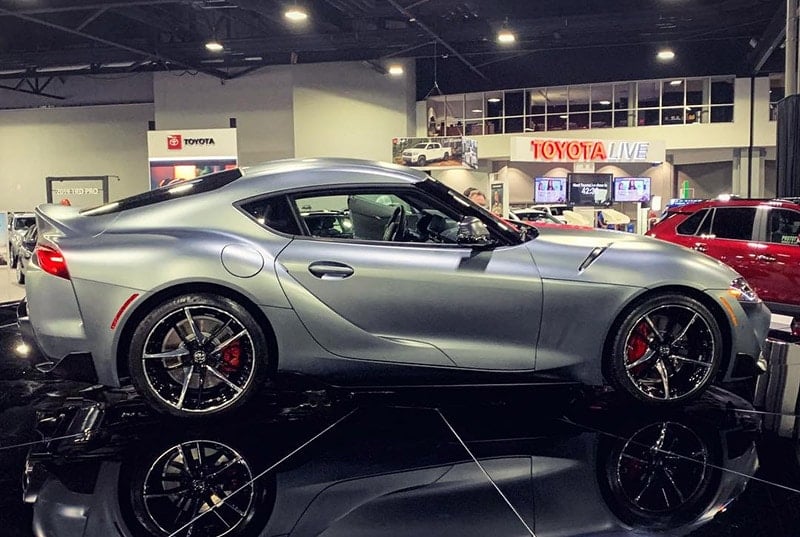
<point>473,232</point>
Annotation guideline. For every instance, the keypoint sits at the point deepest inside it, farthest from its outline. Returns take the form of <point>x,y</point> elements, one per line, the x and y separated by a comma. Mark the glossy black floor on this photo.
<point>79,461</point>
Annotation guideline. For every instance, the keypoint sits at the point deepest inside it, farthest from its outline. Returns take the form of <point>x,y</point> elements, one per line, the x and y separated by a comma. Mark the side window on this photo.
<point>376,216</point>
<point>783,225</point>
<point>274,213</point>
<point>691,224</point>
<point>733,223</point>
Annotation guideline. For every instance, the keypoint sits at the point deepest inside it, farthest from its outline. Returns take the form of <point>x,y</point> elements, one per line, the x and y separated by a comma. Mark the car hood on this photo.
<point>621,258</point>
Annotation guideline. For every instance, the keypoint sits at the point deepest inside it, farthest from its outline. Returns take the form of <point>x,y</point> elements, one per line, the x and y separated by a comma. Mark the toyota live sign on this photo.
<point>527,149</point>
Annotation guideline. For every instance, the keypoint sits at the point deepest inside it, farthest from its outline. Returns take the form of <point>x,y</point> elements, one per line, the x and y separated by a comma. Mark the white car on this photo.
<point>18,224</point>
<point>424,152</point>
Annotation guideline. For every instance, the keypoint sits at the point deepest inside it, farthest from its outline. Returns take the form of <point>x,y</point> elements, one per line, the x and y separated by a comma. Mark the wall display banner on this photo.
<point>440,152</point>
<point>83,192</point>
<point>550,189</point>
<point>180,155</point>
<point>498,203</point>
<point>527,149</point>
<point>633,189</point>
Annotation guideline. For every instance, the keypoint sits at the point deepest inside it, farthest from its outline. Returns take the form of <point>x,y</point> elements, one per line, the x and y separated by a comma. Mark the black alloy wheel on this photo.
<point>199,488</point>
<point>197,355</point>
<point>421,160</point>
<point>666,351</point>
<point>661,476</point>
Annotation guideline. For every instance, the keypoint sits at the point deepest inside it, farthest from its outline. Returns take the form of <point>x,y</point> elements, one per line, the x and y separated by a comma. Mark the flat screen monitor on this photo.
<point>550,190</point>
<point>589,189</point>
<point>635,189</point>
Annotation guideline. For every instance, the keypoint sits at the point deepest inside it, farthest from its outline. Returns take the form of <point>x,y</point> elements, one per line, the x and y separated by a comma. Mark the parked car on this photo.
<point>18,224</point>
<point>757,238</point>
<point>424,152</point>
<point>25,251</point>
<point>199,291</point>
<point>534,216</point>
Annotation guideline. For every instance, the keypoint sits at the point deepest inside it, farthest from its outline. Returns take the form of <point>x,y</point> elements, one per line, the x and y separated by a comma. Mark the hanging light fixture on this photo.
<point>213,45</point>
<point>296,13</point>
<point>505,35</point>
<point>665,54</point>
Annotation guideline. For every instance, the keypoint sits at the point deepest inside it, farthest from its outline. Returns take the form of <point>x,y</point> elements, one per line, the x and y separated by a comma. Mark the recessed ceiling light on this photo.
<point>476,111</point>
<point>665,54</point>
<point>605,103</point>
<point>506,36</point>
<point>296,14</point>
<point>675,82</point>
<point>396,70</point>
<point>564,116</point>
<point>214,46</point>
<point>493,99</point>
<point>253,59</point>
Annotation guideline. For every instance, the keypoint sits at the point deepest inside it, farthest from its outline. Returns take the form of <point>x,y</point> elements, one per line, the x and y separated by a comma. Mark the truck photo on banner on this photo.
<point>180,155</point>
<point>436,153</point>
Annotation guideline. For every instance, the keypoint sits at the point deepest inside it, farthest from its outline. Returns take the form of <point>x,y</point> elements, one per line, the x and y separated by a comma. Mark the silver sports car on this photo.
<point>198,292</point>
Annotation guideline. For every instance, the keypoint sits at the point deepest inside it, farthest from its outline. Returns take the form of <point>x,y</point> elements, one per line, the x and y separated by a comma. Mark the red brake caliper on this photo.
<point>231,357</point>
<point>637,343</point>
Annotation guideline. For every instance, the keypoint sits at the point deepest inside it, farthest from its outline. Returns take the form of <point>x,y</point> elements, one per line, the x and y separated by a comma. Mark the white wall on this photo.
<point>261,103</point>
<point>350,110</point>
<point>72,141</point>
<point>460,180</point>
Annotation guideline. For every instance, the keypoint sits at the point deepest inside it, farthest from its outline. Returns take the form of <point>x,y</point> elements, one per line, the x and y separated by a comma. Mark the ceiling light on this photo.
<point>564,116</point>
<point>396,70</point>
<point>665,54</point>
<point>253,59</point>
<point>214,46</point>
<point>675,82</point>
<point>506,36</point>
<point>493,99</point>
<point>476,111</point>
<point>605,103</point>
<point>296,14</point>
<point>12,72</point>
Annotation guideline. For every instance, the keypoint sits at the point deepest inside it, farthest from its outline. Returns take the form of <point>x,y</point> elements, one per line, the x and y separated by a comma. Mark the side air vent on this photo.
<point>593,255</point>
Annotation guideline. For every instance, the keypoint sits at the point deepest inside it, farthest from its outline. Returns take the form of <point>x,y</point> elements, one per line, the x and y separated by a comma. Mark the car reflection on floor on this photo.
<point>308,461</point>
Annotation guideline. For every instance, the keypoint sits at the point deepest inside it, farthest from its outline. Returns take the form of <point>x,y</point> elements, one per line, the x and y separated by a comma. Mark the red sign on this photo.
<point>174,141</point>
<point>568,150</point>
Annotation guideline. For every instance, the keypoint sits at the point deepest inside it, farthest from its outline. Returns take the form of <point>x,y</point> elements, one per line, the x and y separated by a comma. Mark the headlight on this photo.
<point>741,290</point>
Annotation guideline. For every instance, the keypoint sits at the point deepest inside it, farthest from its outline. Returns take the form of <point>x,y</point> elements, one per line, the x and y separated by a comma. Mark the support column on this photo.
<point>791,47</point>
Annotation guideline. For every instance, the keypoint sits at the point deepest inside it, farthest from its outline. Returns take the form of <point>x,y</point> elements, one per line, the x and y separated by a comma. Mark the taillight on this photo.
<point>51,261</point>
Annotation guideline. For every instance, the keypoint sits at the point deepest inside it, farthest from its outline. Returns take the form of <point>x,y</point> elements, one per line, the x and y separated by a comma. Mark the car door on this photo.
<point>730,238</point>
<point>423,299</point>
<point>776,265</point>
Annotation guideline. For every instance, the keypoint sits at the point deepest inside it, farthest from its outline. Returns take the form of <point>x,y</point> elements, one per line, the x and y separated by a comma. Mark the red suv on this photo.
<point>758,238</point>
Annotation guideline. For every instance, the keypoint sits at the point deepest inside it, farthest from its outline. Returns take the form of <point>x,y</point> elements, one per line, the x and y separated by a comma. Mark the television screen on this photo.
<point>550,190</point>
<point>590,189</point>
<point>632,189</point>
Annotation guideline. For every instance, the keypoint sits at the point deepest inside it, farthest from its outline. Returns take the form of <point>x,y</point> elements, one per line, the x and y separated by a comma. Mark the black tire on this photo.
<point>20,274</point>
<point>421,161</point>
<point>188,376</point>
<point>446,157</point>
<point>665,351</point>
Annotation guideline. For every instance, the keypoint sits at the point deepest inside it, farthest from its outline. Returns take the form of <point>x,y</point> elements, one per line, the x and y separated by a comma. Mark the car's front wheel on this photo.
<point>665,351</point>
<point>421,161</point>
<point>197,355</point>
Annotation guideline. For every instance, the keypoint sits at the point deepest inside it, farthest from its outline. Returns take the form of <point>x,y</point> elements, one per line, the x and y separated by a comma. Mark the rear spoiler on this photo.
<point>57,219</point>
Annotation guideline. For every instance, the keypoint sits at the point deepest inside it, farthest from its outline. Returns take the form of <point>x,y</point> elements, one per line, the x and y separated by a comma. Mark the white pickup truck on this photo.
<point>424,152</point>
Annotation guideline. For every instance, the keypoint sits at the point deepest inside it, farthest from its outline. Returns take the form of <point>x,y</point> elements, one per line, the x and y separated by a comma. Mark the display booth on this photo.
<point>612,199</point>
<point>180,155</point>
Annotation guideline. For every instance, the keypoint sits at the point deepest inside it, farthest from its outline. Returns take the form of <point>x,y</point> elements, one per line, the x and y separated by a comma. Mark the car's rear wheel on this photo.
<point>197,355</point>
<point>446,156</point>
<point>665,351</point>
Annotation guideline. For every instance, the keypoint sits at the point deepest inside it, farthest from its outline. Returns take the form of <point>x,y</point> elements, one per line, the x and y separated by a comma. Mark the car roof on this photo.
<point>735,202</point>
<point>322,172</point>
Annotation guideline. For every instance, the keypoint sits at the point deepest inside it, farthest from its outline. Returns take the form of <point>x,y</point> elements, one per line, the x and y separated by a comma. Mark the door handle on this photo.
<point>765,258</point>
<point>700,246</point>
<point>330,270</point>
